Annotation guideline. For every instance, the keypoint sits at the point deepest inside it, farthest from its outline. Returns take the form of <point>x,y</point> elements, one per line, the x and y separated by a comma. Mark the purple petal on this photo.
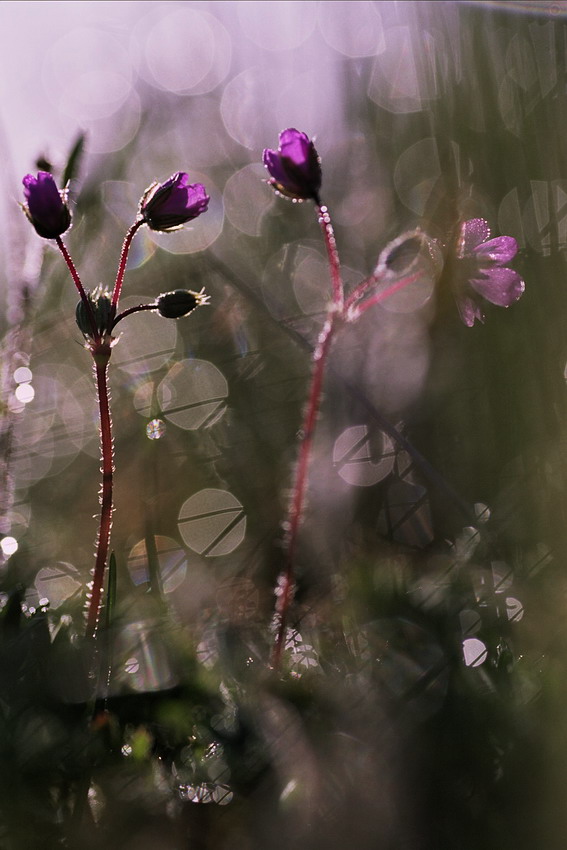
<point>295,146</point>
<point>499,251</point>
<point>473,233</point>
<point>500,286</point>
<point>470,311</point>
<point>273,163</point>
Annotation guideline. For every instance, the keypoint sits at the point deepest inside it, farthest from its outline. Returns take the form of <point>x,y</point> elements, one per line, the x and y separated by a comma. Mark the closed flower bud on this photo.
<point>46,207</point>
<point>181,302</point>
<point>295,168</point>
<point>101,303</point>
<point>167,206</point>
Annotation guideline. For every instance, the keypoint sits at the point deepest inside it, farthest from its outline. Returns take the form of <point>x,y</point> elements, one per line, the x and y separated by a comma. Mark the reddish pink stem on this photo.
<point>300,485</point>
<point>101,356</point>
<point>363,287</point>
<point>122,264</point>
<point>80,287</point>
<point>332,254</point>
<point>384,293</point>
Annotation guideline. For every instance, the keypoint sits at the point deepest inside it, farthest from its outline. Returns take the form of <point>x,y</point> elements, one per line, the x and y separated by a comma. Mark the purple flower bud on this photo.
<point>167,206</point>
<point>481,271</point>
<point>46,207</point>
<point>295,167</point>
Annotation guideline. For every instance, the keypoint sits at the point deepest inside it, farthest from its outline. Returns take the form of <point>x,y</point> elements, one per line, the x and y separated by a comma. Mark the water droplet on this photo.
<point>9,545</point>
<point>22,375</point>
<point>155,429</point>
<point>25,393</point>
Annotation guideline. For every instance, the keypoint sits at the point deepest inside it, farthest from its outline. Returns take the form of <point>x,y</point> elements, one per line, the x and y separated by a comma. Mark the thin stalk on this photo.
<point>357,309</point>
<point>301,477</point>
<point>131,310</point>
<point>363,287</point>
<point>332,254</point>
<point>101,359</point>
<point>122,264</point>
<point>80,287</point>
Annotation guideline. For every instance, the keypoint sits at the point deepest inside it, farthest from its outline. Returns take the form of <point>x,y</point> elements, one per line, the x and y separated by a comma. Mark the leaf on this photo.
<point>74,160</point>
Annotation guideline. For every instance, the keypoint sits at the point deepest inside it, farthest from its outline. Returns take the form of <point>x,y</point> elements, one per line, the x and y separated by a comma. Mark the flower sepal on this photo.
<point>100,301</point>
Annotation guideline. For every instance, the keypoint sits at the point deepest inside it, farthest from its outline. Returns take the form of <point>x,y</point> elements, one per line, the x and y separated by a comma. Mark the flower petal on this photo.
<point>469,311</point>
<point>500,286</point>
<point>295,146</point>
<point>473,233</point>
<point>500,250</point>
<point>273,163</point>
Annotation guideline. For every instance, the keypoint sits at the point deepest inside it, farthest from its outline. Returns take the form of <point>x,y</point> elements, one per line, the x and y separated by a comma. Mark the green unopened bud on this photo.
<point>101,303</point>
<point>181,302</point>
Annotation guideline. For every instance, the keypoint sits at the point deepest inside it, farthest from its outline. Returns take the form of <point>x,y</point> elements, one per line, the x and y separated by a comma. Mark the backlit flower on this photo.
<point>482,271</point>
<point>46,207</point>
<point>295,168</point>
<point>168,206</point>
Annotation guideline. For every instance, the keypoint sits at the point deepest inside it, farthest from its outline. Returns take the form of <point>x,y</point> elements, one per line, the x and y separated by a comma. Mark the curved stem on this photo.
<point>131,310</point>
<point>122,263</point>
<point>80,287</point>
<point>356,310</point>
<point>359,291</point>
<point>295,513</point>
<point>101,357</point>
<point>332,254</point>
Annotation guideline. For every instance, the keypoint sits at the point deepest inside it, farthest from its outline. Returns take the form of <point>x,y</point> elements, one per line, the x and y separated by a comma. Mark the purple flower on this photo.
<point>482,271</point>
<point>167,206</point>
<point>46,207</point>
<point>295,167</point>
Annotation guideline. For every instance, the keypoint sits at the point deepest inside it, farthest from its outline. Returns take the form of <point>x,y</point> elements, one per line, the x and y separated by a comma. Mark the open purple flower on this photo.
<point>482,270</point>
<point>46,207</point>
<point>167,206</point>
<point>295,168</point>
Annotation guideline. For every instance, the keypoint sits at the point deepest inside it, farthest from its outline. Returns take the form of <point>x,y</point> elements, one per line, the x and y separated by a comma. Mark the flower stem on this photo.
<point>123,260</point>
<point>332,254</point>
<point>101,356</point>
<point>80,287</point>
<point>131,310</point>
<point>355,310</point>
<point>320,356</point>
<point>295,513</point>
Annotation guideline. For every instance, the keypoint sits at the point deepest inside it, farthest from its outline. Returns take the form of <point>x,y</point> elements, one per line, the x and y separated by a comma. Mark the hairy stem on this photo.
<point>295,513</point>
<point>101,358</point>
<point>357,309</point>
<point>332,255</point>
<point>122,264</point>
<point>80,287</point>
<point>131,310</point>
